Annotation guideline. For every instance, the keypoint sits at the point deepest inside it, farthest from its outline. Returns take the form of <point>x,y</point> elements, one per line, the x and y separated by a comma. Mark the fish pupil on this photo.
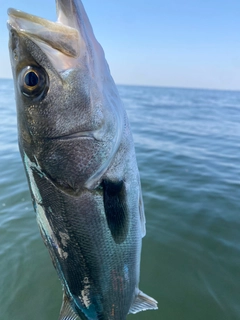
<point>31,79</point>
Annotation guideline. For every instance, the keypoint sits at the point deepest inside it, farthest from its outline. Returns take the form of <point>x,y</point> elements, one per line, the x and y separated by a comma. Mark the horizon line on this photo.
<point>163,86</point>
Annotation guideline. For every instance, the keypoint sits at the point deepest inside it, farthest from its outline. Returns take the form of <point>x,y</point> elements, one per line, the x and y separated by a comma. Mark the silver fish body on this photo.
<point>78,153</point>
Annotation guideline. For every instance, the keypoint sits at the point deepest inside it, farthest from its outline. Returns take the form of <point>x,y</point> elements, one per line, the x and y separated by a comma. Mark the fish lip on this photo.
<point>11,22</point>
<point>15,15</point>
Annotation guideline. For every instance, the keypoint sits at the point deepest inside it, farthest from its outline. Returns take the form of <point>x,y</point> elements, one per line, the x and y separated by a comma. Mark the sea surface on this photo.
<point>188,150</point>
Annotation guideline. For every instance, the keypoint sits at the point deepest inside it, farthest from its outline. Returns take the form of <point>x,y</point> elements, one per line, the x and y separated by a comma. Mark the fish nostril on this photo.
<point>15,55</point>
<point>14,45</point>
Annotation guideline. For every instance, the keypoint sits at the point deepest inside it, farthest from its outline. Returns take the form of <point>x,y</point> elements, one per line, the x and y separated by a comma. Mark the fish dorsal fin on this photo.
<point>67,312</point>
<point>143,302</point>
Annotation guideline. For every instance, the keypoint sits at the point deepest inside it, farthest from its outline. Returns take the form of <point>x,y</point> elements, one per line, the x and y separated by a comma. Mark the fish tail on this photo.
<point>143,302</point>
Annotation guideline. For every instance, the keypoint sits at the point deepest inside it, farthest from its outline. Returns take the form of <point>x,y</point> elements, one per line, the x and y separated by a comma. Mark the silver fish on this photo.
<point>78,153</point>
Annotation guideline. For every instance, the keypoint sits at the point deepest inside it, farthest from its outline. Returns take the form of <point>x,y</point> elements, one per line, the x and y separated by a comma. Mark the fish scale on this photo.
<point>78,153</point>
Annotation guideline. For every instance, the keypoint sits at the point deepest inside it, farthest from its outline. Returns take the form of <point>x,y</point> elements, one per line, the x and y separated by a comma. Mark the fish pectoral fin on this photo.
<point>143,302</point>
<point>116,211</point>
<point>67,312</point>
<point>142,215</point>
<point>141,210</point>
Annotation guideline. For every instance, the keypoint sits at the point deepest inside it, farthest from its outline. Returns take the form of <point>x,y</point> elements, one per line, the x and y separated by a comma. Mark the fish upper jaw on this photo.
<point>68,43</point>
<point>62,44</point>
<point>57,35</point>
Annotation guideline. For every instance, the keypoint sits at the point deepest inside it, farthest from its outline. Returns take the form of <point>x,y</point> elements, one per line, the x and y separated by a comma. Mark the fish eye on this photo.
<point>33,82</point>
<point>31,79</point>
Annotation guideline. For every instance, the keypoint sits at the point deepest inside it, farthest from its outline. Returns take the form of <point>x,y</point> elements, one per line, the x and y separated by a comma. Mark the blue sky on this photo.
<point>180,43</point>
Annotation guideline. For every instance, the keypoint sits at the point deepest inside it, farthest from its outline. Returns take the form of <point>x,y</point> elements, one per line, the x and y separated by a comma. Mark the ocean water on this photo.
<point>188,150</point>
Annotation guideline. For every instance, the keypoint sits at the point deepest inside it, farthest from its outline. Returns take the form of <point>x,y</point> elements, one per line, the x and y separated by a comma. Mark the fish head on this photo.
<point>70,116</point>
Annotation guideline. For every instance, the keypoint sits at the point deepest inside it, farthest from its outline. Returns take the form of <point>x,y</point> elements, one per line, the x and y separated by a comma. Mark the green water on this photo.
<point>188,150</point>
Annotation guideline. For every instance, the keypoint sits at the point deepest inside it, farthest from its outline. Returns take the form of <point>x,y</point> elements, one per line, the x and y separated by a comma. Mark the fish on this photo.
<point>78,153</point>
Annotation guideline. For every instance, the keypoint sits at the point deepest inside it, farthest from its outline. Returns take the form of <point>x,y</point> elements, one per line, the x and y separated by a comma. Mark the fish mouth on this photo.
<point>66,42</point>
<point>54,34</point>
